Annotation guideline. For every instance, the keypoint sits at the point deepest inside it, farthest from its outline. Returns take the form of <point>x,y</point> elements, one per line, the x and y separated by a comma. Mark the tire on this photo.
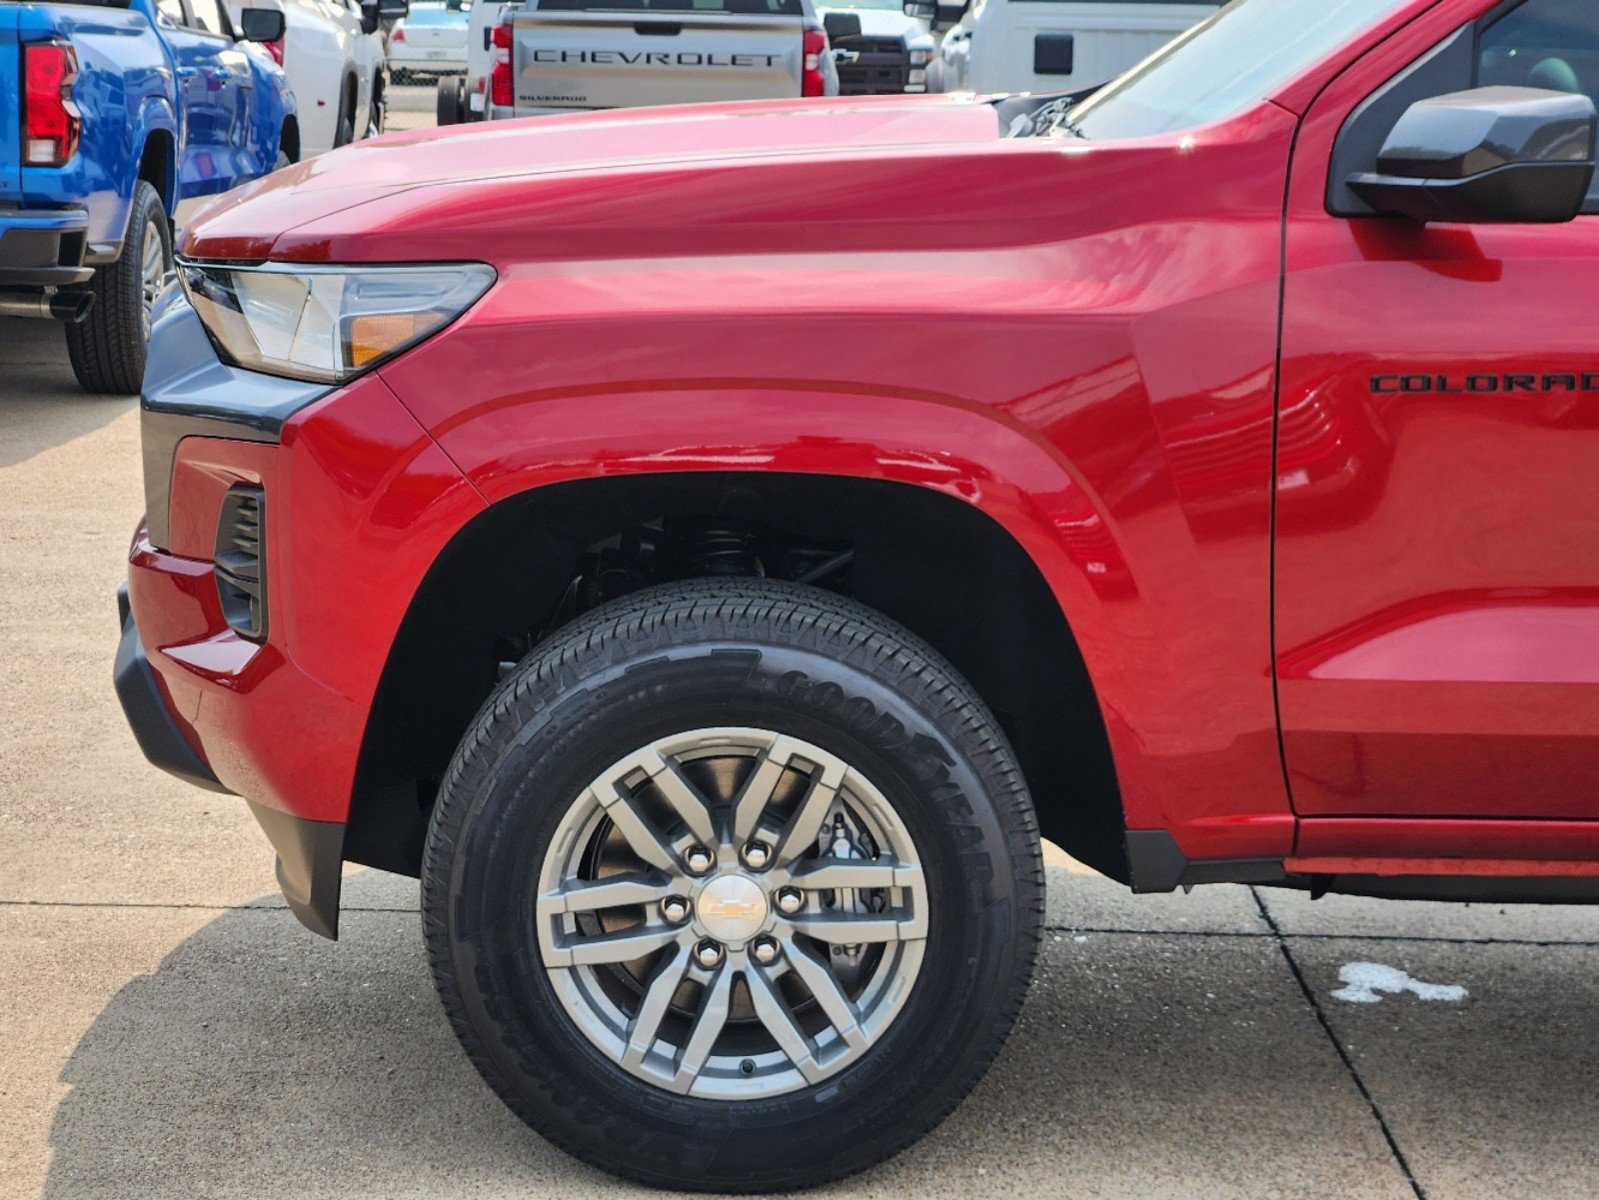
<point>709,677</point>
<point>109,347</point>
<point>447,104</point>
<point>377,111</point>
<point>344,132</point>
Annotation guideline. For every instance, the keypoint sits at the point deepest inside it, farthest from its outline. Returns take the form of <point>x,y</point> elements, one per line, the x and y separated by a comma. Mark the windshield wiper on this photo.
<point>1046,120</point>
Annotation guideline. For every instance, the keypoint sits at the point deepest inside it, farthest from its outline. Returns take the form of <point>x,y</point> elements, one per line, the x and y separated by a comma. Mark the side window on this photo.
<point>172,10</point>
<point>208,16</point>
<point>1550,44</point>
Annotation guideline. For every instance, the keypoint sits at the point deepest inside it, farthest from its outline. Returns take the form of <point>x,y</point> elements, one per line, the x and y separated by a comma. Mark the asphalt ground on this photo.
<point>167,1030</point>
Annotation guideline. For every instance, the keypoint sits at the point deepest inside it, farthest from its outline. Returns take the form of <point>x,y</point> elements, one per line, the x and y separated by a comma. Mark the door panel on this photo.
<point>1437,577</point>
<point>217,87</point>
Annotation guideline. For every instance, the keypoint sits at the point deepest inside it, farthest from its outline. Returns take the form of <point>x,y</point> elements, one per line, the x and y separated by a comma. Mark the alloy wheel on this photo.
<point>152,274</point>
<point>732,913</point>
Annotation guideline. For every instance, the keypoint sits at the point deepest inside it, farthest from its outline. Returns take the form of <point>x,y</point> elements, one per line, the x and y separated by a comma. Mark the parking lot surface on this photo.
<point>170,1031</point>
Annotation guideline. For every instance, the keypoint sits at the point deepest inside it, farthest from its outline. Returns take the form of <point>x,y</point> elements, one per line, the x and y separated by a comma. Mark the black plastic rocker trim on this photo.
<point>1157,864</point>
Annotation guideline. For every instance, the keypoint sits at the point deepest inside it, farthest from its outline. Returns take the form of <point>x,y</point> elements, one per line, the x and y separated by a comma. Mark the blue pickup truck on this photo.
<point>112,112</point>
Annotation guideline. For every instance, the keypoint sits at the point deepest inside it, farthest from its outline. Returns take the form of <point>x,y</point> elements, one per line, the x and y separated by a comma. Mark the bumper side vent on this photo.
<point>241,561</point>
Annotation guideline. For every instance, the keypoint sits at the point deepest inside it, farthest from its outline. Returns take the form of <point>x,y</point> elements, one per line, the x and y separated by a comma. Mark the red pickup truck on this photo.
<point>709,546</point>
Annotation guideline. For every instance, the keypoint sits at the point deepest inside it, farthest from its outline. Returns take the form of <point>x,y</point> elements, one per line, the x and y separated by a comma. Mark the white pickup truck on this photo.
<point>1049,45</point>
<point>554,56</point>
<point>879,49</point>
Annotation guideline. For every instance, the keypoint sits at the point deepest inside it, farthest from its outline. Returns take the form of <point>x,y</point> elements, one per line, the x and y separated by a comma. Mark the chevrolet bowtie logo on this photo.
<point>728,910</point>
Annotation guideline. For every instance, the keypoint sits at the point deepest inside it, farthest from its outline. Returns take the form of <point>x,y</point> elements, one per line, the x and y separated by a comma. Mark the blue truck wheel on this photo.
<point>108,348</point>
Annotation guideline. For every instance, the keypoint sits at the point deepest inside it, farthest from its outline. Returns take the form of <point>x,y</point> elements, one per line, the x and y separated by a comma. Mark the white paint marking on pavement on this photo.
<point>1364,980</point>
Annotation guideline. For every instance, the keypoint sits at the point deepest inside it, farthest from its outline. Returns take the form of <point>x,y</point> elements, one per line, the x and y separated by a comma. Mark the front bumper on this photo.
<point>217,711</point>
<point>419,63</point>
<point>358,502</point>
<point>146,708</point>
<point>309,853</point>
<point>42,248</point>
<point>880,66</point>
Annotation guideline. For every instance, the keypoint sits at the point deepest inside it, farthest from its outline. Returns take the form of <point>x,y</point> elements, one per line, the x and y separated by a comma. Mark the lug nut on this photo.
<point>765,950</point>
<point>757,855</point>
<point>790,900</point>
<point>699,860</point>
<point>675,909</point>
<point>707,954</point>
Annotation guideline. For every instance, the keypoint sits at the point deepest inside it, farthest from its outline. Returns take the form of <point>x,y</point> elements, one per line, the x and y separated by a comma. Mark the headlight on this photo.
<point>326,324</point>
<point>920,58</point>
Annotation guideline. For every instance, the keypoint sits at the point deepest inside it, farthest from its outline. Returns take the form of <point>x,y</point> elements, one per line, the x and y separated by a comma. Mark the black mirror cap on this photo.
<point>393,10</point>
<point>1499,154</point>
<point>1468,133</point>
<point>936,14</point>
<point>841,26</point>
<point>262,25</point>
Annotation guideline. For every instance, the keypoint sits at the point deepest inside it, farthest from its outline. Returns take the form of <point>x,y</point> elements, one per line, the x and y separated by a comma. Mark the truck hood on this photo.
<point>443,195</point>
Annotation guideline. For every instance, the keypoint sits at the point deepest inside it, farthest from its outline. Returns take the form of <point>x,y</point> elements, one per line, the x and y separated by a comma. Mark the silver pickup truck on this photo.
<point>553,56</point>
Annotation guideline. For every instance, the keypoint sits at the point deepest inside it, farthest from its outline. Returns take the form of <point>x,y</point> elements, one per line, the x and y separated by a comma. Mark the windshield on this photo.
<point>1231,60</point>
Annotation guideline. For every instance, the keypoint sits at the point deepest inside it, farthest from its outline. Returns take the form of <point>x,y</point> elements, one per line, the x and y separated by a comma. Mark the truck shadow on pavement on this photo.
<point>259,1060</point>
<point>41,404</point>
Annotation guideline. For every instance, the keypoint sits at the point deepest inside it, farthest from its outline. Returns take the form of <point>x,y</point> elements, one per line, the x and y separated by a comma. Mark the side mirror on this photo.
<point>375,12</point>
<point>841,26</point>
<point>934,13</point>
<point>262,25</point>
<point>1497,154</point>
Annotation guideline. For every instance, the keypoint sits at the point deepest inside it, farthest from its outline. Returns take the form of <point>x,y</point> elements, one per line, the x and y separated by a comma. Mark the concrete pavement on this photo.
<point>167,1031</point>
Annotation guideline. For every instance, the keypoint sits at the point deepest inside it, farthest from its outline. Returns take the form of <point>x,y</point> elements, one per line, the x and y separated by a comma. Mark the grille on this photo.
<point>241,562</point>
<point>882,68</point>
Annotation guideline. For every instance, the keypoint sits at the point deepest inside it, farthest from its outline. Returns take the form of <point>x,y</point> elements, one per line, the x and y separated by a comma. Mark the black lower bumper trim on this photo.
<point>153,727</point>
<point>310,865</point>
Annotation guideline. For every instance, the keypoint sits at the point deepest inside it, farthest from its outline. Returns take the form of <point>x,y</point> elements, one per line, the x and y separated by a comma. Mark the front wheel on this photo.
<point>378,110</point>
<point>109,347</point>
<point>734,886</point>
<point>447,101</point>
<point>344,129</point>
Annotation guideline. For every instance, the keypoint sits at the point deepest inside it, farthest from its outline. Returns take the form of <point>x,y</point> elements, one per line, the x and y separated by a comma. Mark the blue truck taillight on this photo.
<point>51,122</point>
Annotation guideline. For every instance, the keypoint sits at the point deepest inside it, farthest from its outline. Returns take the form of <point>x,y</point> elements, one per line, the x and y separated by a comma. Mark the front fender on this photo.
<point>1178,767</point>
<point>1099,379</point>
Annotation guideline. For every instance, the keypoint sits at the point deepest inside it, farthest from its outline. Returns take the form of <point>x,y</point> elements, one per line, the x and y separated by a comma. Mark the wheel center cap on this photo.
<point>731,908</point>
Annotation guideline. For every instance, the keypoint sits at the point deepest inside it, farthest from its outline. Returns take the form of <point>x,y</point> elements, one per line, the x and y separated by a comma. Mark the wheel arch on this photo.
<point>157,161</point>
<point>932,559</point>
<point>289,137</point>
